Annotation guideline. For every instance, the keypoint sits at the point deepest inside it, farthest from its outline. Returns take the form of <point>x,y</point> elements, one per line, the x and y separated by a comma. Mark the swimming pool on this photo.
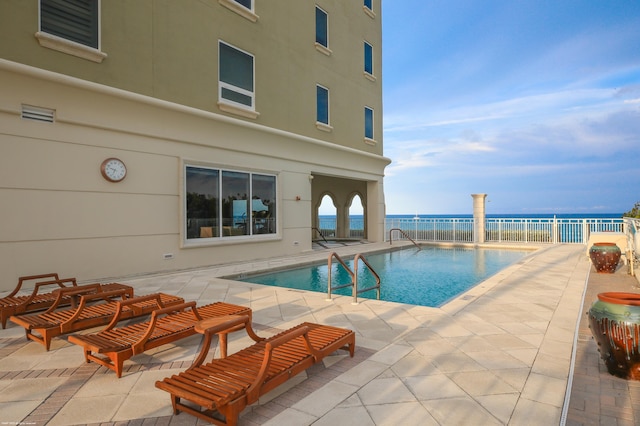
<point>429,277</point>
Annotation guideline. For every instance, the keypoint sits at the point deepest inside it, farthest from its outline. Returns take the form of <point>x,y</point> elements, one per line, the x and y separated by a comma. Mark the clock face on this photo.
<point>113,169</point>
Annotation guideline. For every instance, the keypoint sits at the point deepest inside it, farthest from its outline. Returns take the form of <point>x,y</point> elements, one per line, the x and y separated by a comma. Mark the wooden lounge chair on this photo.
<point>95,308</point>
<point>219,390</point>
<point>17,304</point>
<point>112,346</point>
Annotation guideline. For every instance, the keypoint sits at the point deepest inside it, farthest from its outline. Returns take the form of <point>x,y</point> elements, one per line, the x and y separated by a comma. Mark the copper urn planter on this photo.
<point>614,320</point>
<point>605,257</point>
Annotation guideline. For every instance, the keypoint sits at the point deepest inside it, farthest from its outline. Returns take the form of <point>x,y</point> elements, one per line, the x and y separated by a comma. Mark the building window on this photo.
<point>71,27</point>
<point>368,123</point>
<point>235,202</point>
<point>322,105</point>
<point>236,71</point>
<point>368,58</point>
<point>202,203</point>
<point>73,20</point>
<point>368,9</point>
<point>263,204</point>
<point>322,27</point>
<point>243,8</point>
<point>224,203</point>
<point>246,3</point>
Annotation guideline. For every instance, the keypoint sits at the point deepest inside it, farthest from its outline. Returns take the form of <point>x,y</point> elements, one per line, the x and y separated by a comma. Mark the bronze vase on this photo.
<point>605,257</point>
<point>614,320</point>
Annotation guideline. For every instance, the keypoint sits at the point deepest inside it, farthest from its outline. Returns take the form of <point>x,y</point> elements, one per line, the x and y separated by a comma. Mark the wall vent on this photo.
<point>38,114</point>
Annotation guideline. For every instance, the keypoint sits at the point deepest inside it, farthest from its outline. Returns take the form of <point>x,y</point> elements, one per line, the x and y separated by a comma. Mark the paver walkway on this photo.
<point>499,354</point>
<point>597,397</point>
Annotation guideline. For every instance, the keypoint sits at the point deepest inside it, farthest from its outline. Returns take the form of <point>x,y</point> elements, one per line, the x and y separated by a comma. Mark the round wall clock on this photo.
<point>113,169</point>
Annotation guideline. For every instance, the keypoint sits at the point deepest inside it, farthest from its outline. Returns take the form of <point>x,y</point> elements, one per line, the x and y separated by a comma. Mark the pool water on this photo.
<point>428,277</point>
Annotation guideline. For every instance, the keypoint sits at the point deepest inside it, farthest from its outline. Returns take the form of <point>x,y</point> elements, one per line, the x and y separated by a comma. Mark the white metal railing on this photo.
<point>520,230</point>
<point>517,230</point>
<point>551,230</point>
<point>433,229</point>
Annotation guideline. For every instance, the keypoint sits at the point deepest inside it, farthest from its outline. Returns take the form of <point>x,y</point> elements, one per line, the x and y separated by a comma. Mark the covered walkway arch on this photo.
<point>349,195</point>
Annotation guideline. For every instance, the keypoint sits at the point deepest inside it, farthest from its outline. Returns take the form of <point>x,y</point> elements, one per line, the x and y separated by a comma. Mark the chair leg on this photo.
<point>222,338</point>
<point>174,403</point>
<point>118,364</point>
<point>4,316</point>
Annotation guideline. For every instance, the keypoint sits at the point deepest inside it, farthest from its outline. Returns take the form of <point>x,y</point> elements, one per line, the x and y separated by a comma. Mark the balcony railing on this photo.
<point>516,230</point>
<point>501,230</point>
<point>433,229</point>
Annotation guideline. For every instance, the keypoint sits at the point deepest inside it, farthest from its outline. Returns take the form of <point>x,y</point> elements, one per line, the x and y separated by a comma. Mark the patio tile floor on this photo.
<point>500,354</point>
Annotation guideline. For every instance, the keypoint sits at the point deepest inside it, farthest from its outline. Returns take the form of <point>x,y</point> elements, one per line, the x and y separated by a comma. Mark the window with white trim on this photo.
<point>228,203</point>
<point>368,9</point>
<point>243,8</point>
<point>71,27</point>
<point>322,27</point>
<point>236,77</point>
<point>73,20</point>
<point>246,3</point>
<point>322,105</point>
<point>368,123</point>
<point>368,58</point>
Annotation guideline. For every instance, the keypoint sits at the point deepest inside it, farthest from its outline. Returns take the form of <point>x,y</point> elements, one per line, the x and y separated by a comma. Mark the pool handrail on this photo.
<point>346,268</point>
<point>320,233</point>
<point>354,276</point>
<point>376,287</point>
<point>405,235</point>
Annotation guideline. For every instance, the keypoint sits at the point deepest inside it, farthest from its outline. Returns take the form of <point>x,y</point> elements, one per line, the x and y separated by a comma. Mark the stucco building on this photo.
<point>225,121</point>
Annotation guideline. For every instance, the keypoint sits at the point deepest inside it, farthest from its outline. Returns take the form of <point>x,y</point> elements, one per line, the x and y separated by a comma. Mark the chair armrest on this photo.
<point>22,307</point>
<point>105,295</point>
<point>63,292</point>
<point>254,391</point>
<point>67,326</point>
<point>175,308</point>
<point>58,282</point>
<point>21,280</point>
<point>279,341</point>
<point>302,331</point>
<point>139,299</point>
<point>138,346</point>
<point>132,301</point>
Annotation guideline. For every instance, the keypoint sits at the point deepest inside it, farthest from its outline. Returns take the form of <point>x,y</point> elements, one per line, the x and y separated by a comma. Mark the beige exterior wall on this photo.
<point>168,50</point>
<point>57,213</point>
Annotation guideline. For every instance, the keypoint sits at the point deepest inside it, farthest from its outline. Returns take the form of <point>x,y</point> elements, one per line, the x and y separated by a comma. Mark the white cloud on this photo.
<point>535,104</point>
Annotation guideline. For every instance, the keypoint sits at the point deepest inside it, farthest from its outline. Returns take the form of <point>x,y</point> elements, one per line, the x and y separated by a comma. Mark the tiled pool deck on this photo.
<point>500,354</point>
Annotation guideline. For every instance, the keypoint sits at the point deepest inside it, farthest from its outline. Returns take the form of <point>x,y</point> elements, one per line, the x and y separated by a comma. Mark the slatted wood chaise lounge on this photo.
<point>219,390</point>
<point>112,346</point>
<point>17,304</point>
<point>95,308</point>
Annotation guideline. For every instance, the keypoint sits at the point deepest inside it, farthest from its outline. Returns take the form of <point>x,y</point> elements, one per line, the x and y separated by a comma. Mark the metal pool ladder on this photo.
<point>405,235</point>
<point>354,277</point>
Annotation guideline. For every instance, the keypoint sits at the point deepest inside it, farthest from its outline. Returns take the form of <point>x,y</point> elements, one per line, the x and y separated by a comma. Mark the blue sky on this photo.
<point>534,102</point>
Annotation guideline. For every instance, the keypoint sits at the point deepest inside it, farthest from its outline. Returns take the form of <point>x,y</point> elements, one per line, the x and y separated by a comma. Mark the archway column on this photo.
<point>342,224</point>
